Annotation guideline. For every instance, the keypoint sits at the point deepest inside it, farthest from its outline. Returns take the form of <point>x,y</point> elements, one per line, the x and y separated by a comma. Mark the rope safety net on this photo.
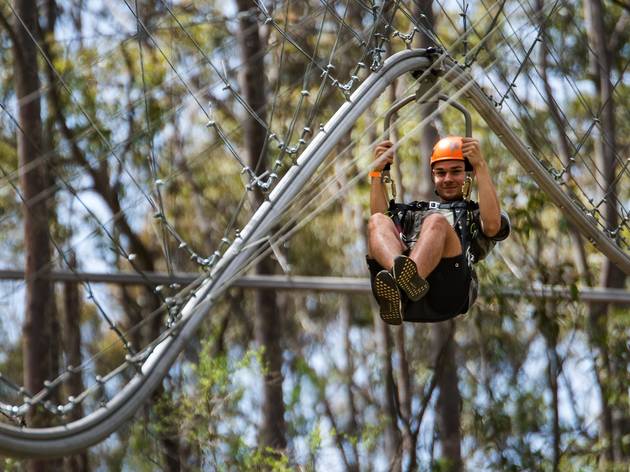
<point>179,84</point>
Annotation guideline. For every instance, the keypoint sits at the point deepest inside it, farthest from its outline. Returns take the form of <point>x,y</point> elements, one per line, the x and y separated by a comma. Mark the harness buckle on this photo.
<point>434,205</point>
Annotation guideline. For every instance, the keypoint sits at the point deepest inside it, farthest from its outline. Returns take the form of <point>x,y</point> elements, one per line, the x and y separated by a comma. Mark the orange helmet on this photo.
<point>449,149</point>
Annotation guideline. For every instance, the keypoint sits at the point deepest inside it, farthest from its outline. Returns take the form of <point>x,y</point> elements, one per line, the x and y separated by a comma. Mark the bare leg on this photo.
<point>384,243</point>
<point>437,239</point>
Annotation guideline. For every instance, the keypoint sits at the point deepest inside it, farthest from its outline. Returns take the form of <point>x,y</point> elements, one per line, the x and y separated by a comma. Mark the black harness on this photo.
<point>463,221</point>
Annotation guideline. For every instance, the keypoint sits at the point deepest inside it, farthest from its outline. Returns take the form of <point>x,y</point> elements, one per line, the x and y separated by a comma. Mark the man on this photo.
<point>421,254</point>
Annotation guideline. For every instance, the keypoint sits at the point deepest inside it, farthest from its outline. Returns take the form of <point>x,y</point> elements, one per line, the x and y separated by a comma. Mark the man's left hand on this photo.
<point>472,151</point>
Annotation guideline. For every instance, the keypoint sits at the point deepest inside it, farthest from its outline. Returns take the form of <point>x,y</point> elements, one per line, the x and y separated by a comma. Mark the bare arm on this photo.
<point>489,206</point>
<point>383,154</point>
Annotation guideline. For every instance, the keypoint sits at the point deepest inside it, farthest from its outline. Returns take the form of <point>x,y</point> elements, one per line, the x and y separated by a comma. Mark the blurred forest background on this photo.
<point>134,136</point>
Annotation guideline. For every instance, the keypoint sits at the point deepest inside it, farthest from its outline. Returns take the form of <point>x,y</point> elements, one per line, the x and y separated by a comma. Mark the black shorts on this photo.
<point>448,294</point>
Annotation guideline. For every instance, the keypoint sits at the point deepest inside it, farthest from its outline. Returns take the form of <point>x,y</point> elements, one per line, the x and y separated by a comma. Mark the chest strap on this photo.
<point>424,206</point>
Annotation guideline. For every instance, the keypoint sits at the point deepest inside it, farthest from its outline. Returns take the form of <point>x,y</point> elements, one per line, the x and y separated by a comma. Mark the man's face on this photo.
<point>448,177</point>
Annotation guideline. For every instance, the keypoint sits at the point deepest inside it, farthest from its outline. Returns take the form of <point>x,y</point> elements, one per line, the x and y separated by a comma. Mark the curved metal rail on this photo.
<point>413,98</point>
<point>77,435</point>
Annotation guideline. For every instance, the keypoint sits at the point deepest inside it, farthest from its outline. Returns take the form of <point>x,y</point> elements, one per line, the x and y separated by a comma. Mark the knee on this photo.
<point>436,221</point>
<point>379,222</point>
<point>438,224</point>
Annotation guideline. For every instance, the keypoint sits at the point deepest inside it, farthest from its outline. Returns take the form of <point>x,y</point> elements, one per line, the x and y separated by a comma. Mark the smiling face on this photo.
<point>448,177</point>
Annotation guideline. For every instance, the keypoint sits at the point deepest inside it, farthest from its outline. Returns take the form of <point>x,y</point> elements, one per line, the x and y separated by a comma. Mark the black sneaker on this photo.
<point>407,278</point>
<point>388,298</point>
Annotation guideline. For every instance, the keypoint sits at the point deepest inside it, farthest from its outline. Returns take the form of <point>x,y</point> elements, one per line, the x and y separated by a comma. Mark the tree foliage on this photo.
<point>142,115</point>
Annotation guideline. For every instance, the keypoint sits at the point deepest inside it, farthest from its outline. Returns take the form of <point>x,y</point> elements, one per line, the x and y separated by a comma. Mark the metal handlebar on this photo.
<point>406,100</point>
<point>415,97</point>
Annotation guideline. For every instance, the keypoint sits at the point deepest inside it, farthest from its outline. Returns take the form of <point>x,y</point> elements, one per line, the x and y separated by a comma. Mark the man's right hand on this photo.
<point>383,154</point>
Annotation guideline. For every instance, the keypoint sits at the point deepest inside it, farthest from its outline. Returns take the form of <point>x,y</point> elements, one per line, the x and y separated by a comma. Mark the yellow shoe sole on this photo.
<point>407,278</point>
<point>388,297</point>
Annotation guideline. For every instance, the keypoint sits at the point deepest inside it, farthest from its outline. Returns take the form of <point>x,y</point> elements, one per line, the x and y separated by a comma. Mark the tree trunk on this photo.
<point>553,374</point>
<point>611,276</point>
<point>546,317</point>
<point>405,397</point>
<point>37,324</point>
<point>36,344</point>
<point>71,336</point>
<point>449,399</point>
<point>392,434</point>
<point>109,191</point>
<point>352,431</point>
<point>267,319</point>
<point>428,133</point>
